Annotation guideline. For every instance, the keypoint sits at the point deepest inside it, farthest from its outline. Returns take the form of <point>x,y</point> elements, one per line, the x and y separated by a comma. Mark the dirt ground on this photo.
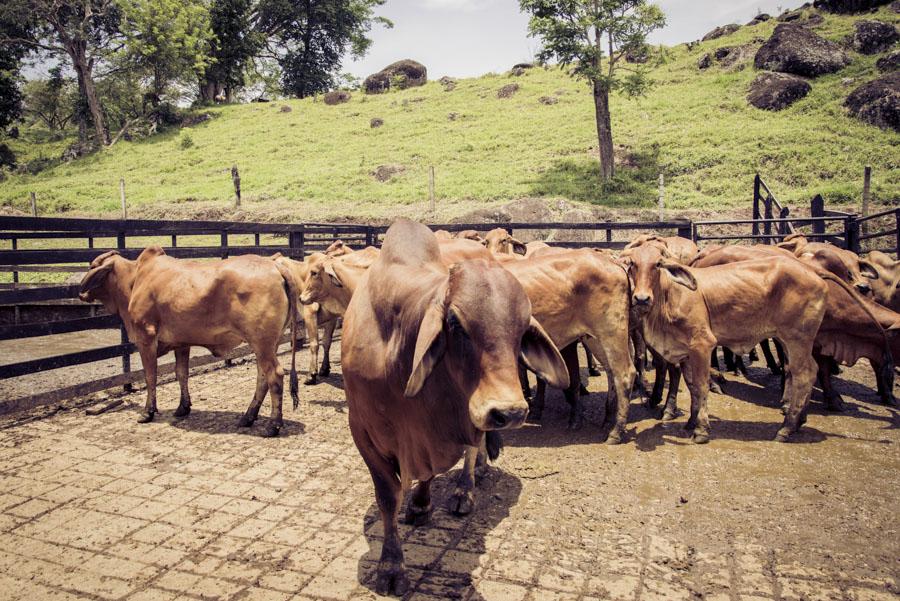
<point>103,508</point>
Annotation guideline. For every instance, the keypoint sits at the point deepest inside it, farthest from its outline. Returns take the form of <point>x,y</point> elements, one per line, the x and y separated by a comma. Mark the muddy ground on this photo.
<point>103,508</point>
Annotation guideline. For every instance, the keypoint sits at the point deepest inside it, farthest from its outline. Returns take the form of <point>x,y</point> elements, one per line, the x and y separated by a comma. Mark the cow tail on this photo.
<point>493,443</point>
<point>290,287</point>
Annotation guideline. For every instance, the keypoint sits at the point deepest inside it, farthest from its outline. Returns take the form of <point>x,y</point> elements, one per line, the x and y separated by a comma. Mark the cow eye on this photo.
<point>455,325</point>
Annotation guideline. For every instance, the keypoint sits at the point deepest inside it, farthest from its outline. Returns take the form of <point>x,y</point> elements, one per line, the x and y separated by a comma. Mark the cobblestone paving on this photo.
<point>104,508</point>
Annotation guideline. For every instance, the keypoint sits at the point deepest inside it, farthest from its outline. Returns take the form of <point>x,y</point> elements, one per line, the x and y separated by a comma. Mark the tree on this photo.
<point>10,61</point>
<point>234,44</point>
<point>53,100</point>
<point>166,39</point>
<point>580,34</point>
<point>309,38</point>
<point>82,30</point>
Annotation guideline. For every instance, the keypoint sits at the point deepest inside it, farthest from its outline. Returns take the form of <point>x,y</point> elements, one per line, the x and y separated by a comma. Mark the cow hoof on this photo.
<point>145,417</point>
<point>182,411</point>
<point>715,387</point>
<point>835,404</point>
<point>615,437</point>
<point>653,401</point>
<point>593,371</point>
<point>324,372</point>
<point>782,435</point>
<point>391,579</point>
<point>417,516</point>
<point>669,415</point>
<point>461,502</point>
<point>271,431</point>
<point>310,380</point>
<point>245,421</point>
<point>534,417</point>
<point>700,438</point>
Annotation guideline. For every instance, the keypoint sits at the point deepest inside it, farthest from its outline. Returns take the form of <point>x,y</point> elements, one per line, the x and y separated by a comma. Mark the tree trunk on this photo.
<point>604,132</point>
<point>78,53</point>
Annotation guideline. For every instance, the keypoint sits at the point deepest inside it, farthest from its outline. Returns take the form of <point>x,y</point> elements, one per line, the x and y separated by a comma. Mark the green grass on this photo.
<point>315,162</point>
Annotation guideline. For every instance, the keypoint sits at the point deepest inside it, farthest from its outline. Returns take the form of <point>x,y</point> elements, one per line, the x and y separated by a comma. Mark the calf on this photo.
<point>686,312</point>
<point>168,304</point>
<point>501,242</point>
<point>429,358</point>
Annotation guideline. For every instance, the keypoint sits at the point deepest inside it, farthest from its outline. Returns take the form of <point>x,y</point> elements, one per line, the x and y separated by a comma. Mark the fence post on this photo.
<point>897,227</point>
<point>15,246</point>
<point>33,205</point>
<point>686,229</point>
<point>123,333</point>
<point>224,244</point>
<point>236,180</point>
<point>756,196</point>
<point>783,226</point>
<point>851,233</point>
<point>122,197</point>
<point>370,236</point>
<point>431,188</point>
<point>767,226</point>
<point>867,183</point>
<point>662,196</point>
<point>817,209</point>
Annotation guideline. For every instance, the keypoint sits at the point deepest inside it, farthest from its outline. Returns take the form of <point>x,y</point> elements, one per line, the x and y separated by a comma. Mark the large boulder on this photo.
<point>872,37</point>
<point>848,6</point>
<point>760,18</point>
<point>889,63</point>
<point>332,98</point>
<point>878,102</point>
<point>775,91</point>
<point>719,32</point>
<point>797,50</point>
<point>402,74</point>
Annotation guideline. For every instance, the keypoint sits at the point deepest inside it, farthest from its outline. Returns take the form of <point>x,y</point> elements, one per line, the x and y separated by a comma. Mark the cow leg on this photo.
<point>418,511</point>
<point>262,387</point>
<point>884,377</point>
<point>752,356</point>
<point>391,575</point>
<point>573,392</point>
<point>730,364</point>
<point>801,373</point>
<point>773,365</point>
<point>696,373</point>
<point>462,500</point>
<point>147,350</point>
<point>593,370</point>
<point>739,364</point>
<point>536,404</point>
<point>833,401</point>
<point>640,385</point>
<point>312,338</point>
<point>671,410</point>
<point>327,337</point>
<point>659,364</point>
<point>714,358</point>
<point>620,373</point>
<point>182,367</point>
<point>523,382</point>
<point>275,379</point>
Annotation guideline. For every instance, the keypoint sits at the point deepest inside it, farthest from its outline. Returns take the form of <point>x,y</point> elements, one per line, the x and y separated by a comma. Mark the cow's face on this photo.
<point>320,279</point>
<point>500,241</point>
<point>846,265</point>
<point>650,269</point>
<point>479,333</point>
<point>97,284</point>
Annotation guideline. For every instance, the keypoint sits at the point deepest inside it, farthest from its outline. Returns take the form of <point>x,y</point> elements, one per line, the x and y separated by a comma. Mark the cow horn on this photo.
<point>98,260</point>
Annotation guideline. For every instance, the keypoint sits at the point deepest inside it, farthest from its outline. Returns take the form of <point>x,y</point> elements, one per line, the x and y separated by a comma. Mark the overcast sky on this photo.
<point>464,38</point>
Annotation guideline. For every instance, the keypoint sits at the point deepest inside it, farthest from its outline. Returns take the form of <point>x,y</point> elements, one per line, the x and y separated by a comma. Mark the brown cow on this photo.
<point>443,235</point>
<point>332,281</point>
<point>167,304</point>
<point>338,249</point>
<point>886,288</point>
<point>687,312</point>
<point>499,241</point>
<point>429,357</point>
<point>467,235</point>
<point>845,264</point>
<point>682,250</point>
<point>853,327</point>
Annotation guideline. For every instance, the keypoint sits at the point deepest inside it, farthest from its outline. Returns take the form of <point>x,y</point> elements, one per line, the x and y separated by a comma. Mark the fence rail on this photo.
<point>770,222</point>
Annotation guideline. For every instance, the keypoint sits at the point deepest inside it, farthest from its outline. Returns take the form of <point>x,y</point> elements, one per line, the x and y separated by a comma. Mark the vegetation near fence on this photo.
<point>770,222</point>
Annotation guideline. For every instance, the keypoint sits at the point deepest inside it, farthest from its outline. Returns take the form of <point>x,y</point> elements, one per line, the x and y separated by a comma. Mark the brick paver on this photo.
<point>104,508</point>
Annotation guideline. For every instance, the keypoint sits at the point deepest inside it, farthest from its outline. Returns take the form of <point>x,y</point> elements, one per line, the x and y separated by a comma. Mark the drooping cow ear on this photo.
<point>519,248</point>
<point>541,356</point>
<point>794,245</point>
<point>329,271</point>
<point>96,277</point>
<point>680,274</point>
<point>867,270</point>
<point>430,346</point>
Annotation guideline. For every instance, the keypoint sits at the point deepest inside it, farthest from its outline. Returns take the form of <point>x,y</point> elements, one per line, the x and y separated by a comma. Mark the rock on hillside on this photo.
<point>889,63</point>
<point>878,102</point>
<point>719,32</point>
<point>775,91</point>
<point>797,50</point>
<point>336,97</point>
<point>404,74</point>
<point>872,37</point>
<point>848,6</point>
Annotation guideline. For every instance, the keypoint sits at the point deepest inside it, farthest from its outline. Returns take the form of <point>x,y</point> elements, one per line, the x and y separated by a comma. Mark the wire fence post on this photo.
<point>662,196</point>
<point>867,184</point>
<point>33,205</point>
<point>236,180</point>
<point>756,196</point>
<point>122,197</point>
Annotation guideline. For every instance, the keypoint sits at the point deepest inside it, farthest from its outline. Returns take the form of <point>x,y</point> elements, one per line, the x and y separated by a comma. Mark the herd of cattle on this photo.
<point>438,332</point>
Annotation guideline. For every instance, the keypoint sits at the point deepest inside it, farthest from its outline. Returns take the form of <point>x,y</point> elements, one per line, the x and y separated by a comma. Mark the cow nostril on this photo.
<point>642,299</point>
<point>498,418</point>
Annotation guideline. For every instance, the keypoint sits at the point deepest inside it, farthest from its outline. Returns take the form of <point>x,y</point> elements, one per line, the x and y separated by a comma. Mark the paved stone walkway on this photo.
<point>104,508</point>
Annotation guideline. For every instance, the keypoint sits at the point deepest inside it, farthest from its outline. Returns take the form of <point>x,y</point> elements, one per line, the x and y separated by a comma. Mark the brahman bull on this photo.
<point>167,304</point>
<point>430,359</point>
<point>843,263</point>
<point>686,312</point>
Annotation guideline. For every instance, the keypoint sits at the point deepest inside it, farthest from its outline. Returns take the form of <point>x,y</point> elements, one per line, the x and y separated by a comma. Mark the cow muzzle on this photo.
<point>864,288</point>
<point>497,415</point>
<point>641,302</point>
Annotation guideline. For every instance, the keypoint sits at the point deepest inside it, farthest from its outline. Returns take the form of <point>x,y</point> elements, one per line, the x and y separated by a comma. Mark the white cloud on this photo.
<point>458,5</point>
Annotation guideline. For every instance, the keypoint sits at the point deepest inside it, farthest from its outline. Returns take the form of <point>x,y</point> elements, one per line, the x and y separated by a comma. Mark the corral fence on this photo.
<point>59,246</point>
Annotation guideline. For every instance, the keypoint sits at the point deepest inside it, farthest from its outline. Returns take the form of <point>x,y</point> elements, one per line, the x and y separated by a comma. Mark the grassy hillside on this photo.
<point>316,161</point>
